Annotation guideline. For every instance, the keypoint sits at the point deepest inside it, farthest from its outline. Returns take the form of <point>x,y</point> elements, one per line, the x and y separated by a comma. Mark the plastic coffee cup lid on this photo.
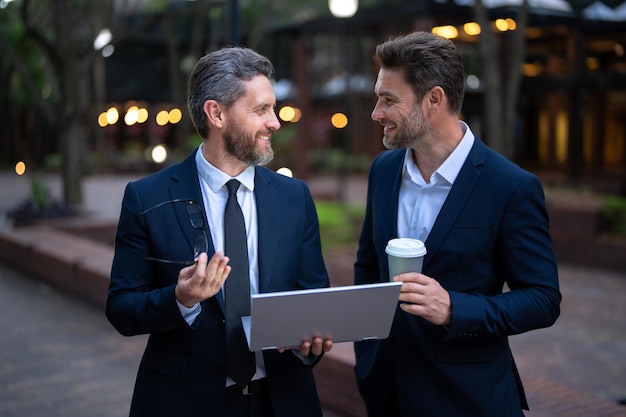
<point>405,248</point>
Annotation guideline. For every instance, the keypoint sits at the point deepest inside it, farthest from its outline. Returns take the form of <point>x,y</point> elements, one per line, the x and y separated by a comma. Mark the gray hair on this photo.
<point>219,76</point>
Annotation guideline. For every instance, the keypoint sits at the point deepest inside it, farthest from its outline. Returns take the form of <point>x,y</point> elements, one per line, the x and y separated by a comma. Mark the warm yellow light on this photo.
<point>297,116</point>
<point>162,117</point>
<point>131,116</point>
<point>285,171</point>
<point>287,113</point>
<point>112,116</point>
<point>175,116</point>
<point>20,168</point>
<point>501,25</point>
<point>339,120</point>
<point>510,24</point>
<point>531,69</point>
<point>159,154</point>
<point>448,32</point>
<point>472,28</point>
<point>592,63</point>
<point>142,115</point>
<point>102,119</point>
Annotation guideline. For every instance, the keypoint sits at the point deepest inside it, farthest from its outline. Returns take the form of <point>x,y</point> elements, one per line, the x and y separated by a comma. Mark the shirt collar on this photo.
<point>216,178</point>
<point>451,167</point>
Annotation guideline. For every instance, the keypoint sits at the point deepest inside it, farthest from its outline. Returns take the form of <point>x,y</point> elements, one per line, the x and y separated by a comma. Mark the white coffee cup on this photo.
<point>405,255</point>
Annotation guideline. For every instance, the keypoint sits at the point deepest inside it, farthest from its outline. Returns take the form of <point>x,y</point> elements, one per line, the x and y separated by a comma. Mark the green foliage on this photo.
<point>340,224</point>
<point>40,193</point>
<point>614,214</point>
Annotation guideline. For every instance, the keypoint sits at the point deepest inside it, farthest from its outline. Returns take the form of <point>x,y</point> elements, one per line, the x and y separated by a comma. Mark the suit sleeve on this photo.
<point>137,303</point>
<point>525,261</point>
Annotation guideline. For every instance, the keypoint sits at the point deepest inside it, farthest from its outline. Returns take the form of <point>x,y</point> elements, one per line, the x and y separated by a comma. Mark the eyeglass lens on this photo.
<point>195,217</point>
<point>194,212</point>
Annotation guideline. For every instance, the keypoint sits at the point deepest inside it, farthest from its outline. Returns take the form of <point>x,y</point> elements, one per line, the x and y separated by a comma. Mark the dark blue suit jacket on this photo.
<point>492,230</point>
<point>182,371</point>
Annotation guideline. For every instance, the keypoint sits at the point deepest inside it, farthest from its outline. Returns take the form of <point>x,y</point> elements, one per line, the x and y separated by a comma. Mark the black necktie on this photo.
<point>240,363</point>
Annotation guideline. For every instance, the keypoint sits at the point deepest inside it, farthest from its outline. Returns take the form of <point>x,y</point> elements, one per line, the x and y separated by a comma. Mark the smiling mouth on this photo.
<point>388,128</point>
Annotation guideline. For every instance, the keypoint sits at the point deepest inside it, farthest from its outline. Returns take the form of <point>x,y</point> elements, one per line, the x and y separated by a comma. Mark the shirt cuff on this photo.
<point>189,313</point>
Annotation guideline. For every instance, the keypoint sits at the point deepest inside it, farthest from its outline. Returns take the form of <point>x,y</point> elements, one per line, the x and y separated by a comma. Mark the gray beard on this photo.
<point>243,148</point>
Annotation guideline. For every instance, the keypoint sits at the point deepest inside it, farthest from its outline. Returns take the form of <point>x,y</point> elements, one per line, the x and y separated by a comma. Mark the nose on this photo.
<point>377,114</point>
<point>273,123</point>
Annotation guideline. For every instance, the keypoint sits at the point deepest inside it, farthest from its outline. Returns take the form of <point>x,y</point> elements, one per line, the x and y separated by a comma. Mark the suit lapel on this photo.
<point>388,193</point>
<point>460,191</point>
<point>185,185</point>
<point>267,207</point>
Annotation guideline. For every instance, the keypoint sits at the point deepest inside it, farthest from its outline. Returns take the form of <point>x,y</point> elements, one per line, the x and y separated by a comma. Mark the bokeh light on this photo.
<point>472,28</point>
<point>286,113</point>
<point>132,115</point>
<point>285,171</point>
<point>175,116</point>
<point>448,32</point>
<point>339,120</point>
<point>112,115</point>
<point>159,154</point>
<point>162,117</point>
<point>20,168</point>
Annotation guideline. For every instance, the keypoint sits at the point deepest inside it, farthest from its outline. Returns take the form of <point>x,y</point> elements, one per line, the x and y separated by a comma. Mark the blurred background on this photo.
<point>90,87</point>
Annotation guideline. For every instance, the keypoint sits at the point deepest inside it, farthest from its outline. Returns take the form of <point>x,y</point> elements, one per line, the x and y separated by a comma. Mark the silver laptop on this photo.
<point>343,314</point>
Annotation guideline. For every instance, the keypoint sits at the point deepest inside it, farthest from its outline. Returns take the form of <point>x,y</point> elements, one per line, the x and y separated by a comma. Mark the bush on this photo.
<point>340,224</point>
<point>614,215</point>
<point>38,206</point>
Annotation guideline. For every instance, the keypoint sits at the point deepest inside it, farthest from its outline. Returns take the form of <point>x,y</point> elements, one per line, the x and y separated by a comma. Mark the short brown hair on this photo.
<point>428,60</point>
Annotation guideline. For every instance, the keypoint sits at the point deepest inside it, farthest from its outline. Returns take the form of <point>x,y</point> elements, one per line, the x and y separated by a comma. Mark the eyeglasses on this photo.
<point>197,221</point>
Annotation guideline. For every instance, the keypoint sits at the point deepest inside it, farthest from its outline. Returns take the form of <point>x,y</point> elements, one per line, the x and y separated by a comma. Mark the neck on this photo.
<point>430,152</point>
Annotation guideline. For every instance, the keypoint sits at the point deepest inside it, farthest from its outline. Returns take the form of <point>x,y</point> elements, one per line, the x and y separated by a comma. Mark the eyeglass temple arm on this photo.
<point>178,200</point>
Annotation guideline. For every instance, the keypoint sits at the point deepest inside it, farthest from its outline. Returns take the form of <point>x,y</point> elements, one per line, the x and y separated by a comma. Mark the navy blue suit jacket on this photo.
<point>492,230</point>
<point>182,371</point>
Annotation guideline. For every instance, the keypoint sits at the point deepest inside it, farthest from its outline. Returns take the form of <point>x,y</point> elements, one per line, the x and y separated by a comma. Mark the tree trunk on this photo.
<point>72,85</point>
<point>515,52</point>
<point>492,99</point>
<point>502,77</point>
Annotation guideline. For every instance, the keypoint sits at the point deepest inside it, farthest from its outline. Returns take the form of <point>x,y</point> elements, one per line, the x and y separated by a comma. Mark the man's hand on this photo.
<point>423,296</point>
<point>202,280</point>
<point>316,348</point>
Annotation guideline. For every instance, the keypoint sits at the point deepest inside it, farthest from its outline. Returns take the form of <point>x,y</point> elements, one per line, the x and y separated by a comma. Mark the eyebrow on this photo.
<point>263,106</point>
<point>386,93</point>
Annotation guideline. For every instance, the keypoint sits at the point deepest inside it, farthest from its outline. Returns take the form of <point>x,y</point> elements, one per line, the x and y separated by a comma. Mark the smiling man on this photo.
<point>195,240</point>
<point>485,225</point>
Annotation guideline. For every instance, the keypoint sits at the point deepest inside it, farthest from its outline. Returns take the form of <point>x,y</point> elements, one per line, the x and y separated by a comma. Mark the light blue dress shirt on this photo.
<point>419,201</point>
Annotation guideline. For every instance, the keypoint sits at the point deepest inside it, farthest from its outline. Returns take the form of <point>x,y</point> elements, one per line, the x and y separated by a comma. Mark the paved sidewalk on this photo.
<point>59,356</point>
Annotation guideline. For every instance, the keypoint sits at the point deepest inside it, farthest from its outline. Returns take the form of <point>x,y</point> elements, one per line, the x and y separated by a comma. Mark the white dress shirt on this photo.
<point>419,202</point>
<point>214,196</point>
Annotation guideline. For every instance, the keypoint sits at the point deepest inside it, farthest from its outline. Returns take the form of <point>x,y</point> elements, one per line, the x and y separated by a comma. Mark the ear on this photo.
<point>436,98</point>
<point>214,113</point>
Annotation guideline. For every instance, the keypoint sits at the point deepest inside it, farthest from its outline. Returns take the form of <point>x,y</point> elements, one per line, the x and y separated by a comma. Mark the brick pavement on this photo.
<point>59,356</point>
